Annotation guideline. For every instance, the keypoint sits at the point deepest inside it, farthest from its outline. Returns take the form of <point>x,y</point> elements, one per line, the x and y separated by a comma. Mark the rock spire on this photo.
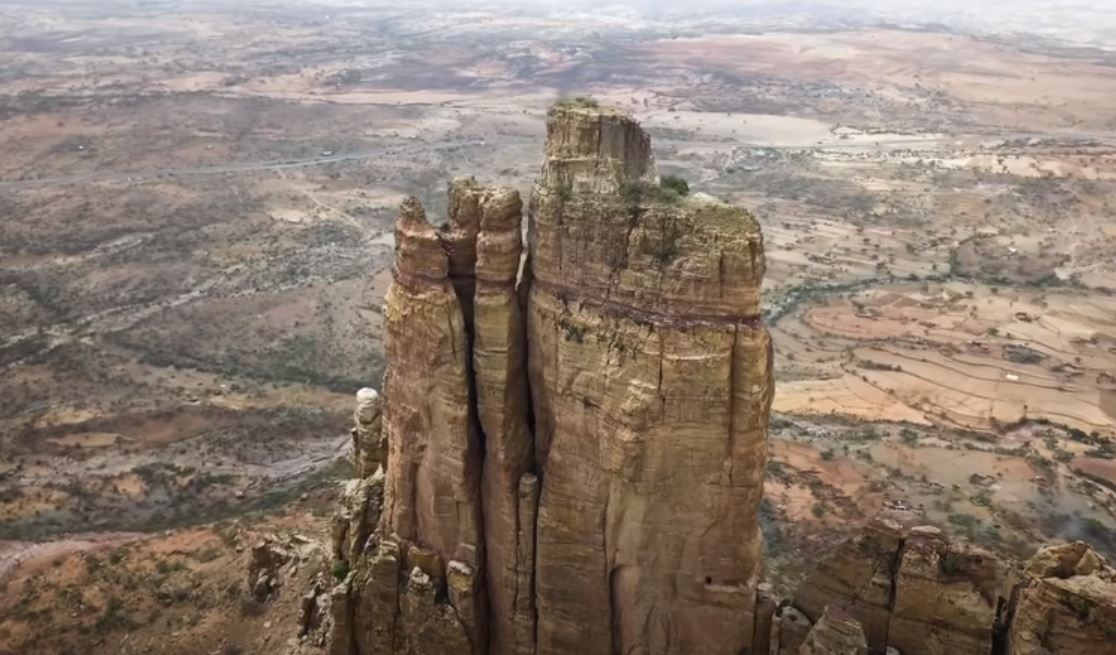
<point>572,450</point>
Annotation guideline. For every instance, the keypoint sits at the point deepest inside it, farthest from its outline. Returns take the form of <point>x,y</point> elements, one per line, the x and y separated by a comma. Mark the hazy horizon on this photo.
<point>1071,21</point>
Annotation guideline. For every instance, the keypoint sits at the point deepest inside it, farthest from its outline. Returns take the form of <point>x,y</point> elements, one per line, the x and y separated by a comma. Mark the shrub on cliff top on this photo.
<point>577,102</point>
<point>636,193</point>
<point>676,184</point>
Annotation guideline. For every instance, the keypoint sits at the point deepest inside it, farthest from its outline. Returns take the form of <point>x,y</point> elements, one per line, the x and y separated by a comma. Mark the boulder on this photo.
<point>835,633</point>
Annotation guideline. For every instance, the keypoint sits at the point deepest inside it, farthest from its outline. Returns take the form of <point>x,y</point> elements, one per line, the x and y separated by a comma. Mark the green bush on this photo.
<point>577,102</point>
<point>636,194</point>
<point>340,569</point>
<point>964,521</point>
<point>952,565</point>
<point>676,184</point>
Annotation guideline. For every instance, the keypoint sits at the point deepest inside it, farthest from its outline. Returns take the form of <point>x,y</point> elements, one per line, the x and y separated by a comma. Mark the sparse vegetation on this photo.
<point>577,102</point>
<point>208,320</point>
<point>340,569</point>
<point>641,193</point>
<point>675,184</point>
<point>952,564</point>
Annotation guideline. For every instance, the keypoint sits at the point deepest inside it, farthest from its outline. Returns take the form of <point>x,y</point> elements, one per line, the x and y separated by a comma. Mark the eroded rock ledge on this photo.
<point>568,456</point>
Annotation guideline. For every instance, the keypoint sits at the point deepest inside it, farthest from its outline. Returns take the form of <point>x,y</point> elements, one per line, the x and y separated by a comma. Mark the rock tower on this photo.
<point>568,455</point>
<point>572,445</point>
<point>650,376</point>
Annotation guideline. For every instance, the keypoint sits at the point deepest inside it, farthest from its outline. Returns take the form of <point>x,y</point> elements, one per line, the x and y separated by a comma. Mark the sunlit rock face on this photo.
<point>575,440</point>
<point>650,376</point>
<point>567,456</point>
<point>916,592</point>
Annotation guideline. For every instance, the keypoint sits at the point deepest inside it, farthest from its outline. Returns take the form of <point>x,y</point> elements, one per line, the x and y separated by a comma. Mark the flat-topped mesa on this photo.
<point>594,149</point>
<point>651,380</point>
<point>604,230</point>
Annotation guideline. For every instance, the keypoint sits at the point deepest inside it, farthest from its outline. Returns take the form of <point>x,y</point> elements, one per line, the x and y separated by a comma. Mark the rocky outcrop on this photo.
<point>651,381</point>
<point>568,457</point>
<point>945,596</point>
<point>835,633</point>
<point>266,561</point>
<point>789,631</point>
<point>857,578</point>
<point>369,445</point>
<point>357,516</point>
<point>920,593</point>
<point>362,500</point>
<point>574,452</point>
<point>432,495</point>
<point>1064,603</point>
<point>432,505</point>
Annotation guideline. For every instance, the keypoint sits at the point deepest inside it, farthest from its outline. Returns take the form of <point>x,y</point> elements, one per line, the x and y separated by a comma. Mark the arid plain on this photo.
<point>195,212</point>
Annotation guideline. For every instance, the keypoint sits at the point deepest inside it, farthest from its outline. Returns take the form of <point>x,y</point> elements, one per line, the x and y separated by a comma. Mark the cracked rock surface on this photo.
<point>568,454</point>
<point>572,450</point>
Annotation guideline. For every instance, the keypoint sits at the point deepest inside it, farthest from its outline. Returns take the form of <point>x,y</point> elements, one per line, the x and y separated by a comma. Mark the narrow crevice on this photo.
<point>397,613</point>
<point>730,442</point>
<point>659,389</point>
<point>893,592</point>
<point>1005,616</point>
<point>350,609</point>
<point>609,572</point>
<point>721,276</point>
<point>614,617</point>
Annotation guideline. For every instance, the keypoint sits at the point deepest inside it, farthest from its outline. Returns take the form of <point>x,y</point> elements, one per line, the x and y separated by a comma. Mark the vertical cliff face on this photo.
<point>509,488</point>
<point>835,633</point>
<point>568,456</point>
<point>573,458</point>
<point>434,451</point>
<point>916,592</point>
<point>651,383</point>
<point>431,523</point>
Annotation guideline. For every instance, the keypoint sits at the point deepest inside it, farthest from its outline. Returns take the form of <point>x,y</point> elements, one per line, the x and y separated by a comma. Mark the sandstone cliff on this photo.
<point>574,455</point>
<point>568,455</point>
<point>919,593</point>
<point>651,381</point>
<point>835,633</point>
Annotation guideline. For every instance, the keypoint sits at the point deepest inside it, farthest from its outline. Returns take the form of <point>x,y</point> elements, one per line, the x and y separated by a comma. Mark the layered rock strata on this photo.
<point>369,446</point>
<point>432,511</point>
<point>1064,602</point>
<point>509,488</point>
<point>918,593</point>
<point>835,633</point>
<point>574,453</point>
<point>650,376</point>
<point>569,454</point>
